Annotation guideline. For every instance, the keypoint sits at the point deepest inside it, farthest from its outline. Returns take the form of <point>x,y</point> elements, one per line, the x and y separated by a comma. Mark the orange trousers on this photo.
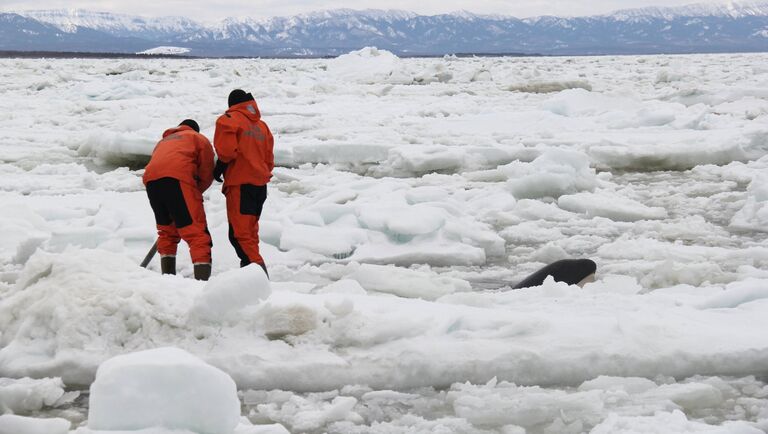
<point>244,205</point>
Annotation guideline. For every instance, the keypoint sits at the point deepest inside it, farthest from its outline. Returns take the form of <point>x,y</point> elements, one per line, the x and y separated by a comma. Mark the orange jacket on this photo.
<point>244,141</point>
<point>182,154</point>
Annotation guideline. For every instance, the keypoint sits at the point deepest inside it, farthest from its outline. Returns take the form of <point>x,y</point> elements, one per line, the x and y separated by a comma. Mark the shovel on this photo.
<point>150,255</point>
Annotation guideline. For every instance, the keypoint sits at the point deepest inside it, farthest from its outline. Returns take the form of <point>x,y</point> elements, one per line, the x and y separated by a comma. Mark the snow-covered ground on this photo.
<point>410,194</point>
<point>165,50</point>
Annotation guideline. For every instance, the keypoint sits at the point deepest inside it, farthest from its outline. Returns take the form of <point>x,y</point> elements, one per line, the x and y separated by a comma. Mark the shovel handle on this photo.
<point>150,255</point>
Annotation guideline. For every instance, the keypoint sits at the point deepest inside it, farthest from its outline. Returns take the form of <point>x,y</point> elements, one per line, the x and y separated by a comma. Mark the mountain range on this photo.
<point>705,27</point>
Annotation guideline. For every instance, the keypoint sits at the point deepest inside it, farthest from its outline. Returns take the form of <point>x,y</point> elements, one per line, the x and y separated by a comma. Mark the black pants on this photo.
<point>180,215</point>
<point>167,202</point>
<point>244,205</point>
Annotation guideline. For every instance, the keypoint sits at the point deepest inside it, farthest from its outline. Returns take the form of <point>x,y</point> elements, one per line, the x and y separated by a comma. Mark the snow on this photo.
<point>165,50</point>
<point>612,206</point>
<point>397,333</point>
<point>367,66</point>
<point>68,20</point>
<point>713,9</point>
<point>407,283</point>
<point>550,86</point>
<point>164,387</point>
<point>243,428</point>
<point>227,293</point>
<point>12,424</point>
<point>663,422</point>
<point>409,196</point>
<point>754,214</point>
<point>26,395</point>
<point>552,174</point>
<point>506,407</point>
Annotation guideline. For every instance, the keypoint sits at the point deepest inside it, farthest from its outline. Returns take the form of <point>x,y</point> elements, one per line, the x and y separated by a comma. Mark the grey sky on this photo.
<point>213,10</point>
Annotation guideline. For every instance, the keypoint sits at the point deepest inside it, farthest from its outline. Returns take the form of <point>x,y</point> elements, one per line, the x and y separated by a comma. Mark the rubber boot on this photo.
<point>168,264</point>
<point>202,271</point>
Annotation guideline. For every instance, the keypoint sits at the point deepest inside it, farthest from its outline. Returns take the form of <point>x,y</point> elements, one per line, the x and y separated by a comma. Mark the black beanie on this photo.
<point>238,96</point>
<point>191,123</point>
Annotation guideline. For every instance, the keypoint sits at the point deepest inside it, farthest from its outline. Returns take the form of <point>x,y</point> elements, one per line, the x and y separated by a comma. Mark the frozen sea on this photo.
<point>409,195</point>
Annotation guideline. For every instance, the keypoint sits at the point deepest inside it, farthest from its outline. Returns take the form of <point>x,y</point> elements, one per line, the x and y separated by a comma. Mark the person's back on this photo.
<point>244,146</point>
<point>245,143</point>
<point>182,154</point>
<point>180,170</point>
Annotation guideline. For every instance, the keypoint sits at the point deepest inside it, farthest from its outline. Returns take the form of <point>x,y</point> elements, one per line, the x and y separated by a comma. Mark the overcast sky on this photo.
<point>213,10</point>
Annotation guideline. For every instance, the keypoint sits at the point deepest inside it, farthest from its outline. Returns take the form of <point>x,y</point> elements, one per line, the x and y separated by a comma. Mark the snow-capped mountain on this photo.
<point>70,20</point>
<point>705,27</point>
<point>723,10</point>
<point>19,33</point>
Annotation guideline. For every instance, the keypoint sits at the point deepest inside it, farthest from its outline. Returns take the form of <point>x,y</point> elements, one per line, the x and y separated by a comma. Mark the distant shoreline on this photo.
<point>11,54</point>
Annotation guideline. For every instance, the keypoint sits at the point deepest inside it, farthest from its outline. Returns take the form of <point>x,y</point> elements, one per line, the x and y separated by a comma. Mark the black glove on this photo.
<point>219,170</point>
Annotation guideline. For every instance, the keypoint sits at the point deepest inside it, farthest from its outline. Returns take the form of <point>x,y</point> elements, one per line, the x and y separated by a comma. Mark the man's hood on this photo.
<point>180,128</point>
<point>247,108</point>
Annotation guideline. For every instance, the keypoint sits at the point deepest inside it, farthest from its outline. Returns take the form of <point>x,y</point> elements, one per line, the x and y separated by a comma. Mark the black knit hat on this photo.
<point>237,96</point>
<point>191,123</point>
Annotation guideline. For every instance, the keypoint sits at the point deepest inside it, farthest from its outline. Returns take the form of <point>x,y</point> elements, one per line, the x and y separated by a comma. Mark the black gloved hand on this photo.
<point>219,170</point>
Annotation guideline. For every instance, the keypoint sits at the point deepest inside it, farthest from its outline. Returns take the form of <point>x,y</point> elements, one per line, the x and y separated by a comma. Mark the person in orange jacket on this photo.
<point>244,146</point>
<point>180,170</point>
